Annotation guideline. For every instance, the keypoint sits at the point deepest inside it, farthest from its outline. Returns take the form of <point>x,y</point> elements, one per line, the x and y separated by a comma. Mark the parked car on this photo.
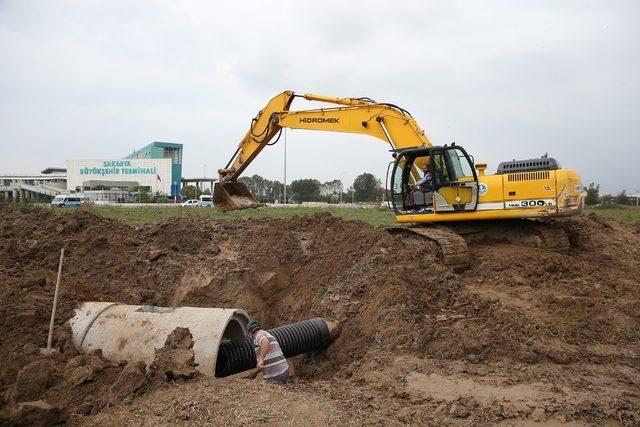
<point>66,200</point>
<point>191,202</point>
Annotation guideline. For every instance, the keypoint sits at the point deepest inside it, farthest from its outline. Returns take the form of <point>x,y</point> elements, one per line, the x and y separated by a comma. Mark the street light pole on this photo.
<point>285,165</point>
<point>204,175</point>
<point>342,174</point>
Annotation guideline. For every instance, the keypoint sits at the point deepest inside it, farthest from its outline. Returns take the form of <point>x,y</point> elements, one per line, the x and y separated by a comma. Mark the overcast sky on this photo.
<point>510,79</point>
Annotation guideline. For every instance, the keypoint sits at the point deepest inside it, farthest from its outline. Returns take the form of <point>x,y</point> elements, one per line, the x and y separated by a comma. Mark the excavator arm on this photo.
<point>385,122</point>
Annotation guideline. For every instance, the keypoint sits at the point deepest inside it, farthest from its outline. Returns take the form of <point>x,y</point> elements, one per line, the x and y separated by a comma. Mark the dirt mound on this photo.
<point>561,328</point>
<point>38,413</point>
<point>175,361</point>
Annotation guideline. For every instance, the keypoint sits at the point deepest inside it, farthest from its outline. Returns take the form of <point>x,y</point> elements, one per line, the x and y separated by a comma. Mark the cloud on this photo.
<point>505,79</point>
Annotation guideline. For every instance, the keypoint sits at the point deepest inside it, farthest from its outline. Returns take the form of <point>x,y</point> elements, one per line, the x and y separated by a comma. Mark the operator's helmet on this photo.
<point>253,326</point>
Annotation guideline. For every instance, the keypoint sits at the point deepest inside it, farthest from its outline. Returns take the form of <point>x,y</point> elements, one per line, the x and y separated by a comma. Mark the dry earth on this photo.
<point>524,336</point>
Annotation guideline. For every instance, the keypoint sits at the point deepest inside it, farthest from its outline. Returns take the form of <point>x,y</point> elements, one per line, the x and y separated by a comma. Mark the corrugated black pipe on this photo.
<point>294,339</point>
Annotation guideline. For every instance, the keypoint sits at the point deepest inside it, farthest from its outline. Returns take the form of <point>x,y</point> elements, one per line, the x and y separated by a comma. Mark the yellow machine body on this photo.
<point>529,194</point>
<point>536,194</point>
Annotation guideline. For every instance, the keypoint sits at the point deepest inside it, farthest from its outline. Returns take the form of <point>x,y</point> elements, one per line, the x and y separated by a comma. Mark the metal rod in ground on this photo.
<point>55,301</point>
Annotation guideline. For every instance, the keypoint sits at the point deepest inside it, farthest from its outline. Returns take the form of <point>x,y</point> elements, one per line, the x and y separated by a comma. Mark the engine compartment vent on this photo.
<point>547,163</point>
<point>528,176</point>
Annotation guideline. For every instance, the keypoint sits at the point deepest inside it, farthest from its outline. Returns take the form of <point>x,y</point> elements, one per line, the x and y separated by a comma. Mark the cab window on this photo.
<point>441,172</point>
<point>459,166</point>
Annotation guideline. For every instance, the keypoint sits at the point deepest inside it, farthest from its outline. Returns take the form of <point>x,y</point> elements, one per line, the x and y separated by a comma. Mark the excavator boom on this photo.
<point>385,122</point>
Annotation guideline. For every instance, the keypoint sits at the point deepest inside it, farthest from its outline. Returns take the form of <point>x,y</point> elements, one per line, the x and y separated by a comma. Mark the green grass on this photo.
<point>29,207</point>
<point>152,214</point>
<point>621,213</point>
<point>383,217</point>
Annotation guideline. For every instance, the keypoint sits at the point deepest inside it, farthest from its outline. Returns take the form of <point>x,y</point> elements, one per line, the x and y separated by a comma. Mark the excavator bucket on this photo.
<point>228,196</point>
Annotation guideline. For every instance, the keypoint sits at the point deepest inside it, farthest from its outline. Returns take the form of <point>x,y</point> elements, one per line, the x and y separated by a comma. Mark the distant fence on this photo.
<point>324,205</point>
<point>270,205</point>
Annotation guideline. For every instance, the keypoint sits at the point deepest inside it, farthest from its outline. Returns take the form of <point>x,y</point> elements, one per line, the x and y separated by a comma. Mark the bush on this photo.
<point>28,207</point>
<point>622,198</point>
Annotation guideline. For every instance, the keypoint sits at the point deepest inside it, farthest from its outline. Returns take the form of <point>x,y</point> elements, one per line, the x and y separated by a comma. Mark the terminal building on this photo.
<point>155,169</point>
<point>164,150</point>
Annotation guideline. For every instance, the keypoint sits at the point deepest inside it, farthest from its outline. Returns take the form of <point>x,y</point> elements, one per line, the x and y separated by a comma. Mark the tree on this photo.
<point>622,198</point>
<point>367,188</point>
<point>144,195</point>
<point>190,192</point>
<point>264,190</point>
<point>305,190</point>
<point>330,191</point>
<point>593,194</point>
<point>607,199</point>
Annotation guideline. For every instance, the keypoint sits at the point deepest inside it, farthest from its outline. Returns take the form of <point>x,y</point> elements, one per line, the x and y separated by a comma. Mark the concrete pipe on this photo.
<point>134,332</point>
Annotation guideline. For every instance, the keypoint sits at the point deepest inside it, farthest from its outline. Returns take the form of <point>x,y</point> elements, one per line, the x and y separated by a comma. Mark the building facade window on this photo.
<point>175,154</point>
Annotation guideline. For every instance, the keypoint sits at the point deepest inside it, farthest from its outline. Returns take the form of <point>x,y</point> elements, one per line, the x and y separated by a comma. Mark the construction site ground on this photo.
<point>524,336</point>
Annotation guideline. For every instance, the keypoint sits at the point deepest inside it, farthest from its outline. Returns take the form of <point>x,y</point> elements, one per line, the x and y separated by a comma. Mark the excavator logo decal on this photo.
<point>319,120</point>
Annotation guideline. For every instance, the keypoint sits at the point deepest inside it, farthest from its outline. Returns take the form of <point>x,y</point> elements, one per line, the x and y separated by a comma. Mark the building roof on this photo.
<point>48,176</point>
<point>158,144</point>
<point>53,170</point>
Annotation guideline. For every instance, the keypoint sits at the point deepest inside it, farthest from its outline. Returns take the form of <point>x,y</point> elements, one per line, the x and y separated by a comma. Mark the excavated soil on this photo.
<point>524,336</point>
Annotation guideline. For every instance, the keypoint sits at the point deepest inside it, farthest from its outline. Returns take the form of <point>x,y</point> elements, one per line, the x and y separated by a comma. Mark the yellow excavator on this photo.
<point>437,192</point>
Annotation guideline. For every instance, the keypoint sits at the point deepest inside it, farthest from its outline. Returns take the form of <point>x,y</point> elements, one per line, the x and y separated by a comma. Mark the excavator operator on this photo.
<point>426,182</point>
<point>423,190</point>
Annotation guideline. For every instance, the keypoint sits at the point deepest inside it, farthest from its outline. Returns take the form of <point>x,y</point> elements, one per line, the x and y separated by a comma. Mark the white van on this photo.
<point>206,200</point>
<point>66,200</point>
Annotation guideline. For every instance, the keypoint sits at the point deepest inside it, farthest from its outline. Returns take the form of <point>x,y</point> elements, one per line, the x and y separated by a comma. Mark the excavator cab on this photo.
<point>453,186</point>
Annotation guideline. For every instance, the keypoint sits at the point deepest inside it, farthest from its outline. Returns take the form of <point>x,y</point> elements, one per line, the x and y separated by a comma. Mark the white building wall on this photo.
<point>153,173</point>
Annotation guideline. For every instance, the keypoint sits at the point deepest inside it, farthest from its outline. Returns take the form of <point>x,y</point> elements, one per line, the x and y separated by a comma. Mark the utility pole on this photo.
<point>342,174</point>
<point>285,165</point>
<point>204,175</point>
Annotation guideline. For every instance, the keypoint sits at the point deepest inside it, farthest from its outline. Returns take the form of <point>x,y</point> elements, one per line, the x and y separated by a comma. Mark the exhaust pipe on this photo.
<point>232,195</point>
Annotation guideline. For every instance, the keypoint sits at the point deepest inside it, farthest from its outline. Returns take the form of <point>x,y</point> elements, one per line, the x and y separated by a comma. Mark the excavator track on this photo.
<point>452,248</point>
<point>452,239</point>
<point>523,232</point>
